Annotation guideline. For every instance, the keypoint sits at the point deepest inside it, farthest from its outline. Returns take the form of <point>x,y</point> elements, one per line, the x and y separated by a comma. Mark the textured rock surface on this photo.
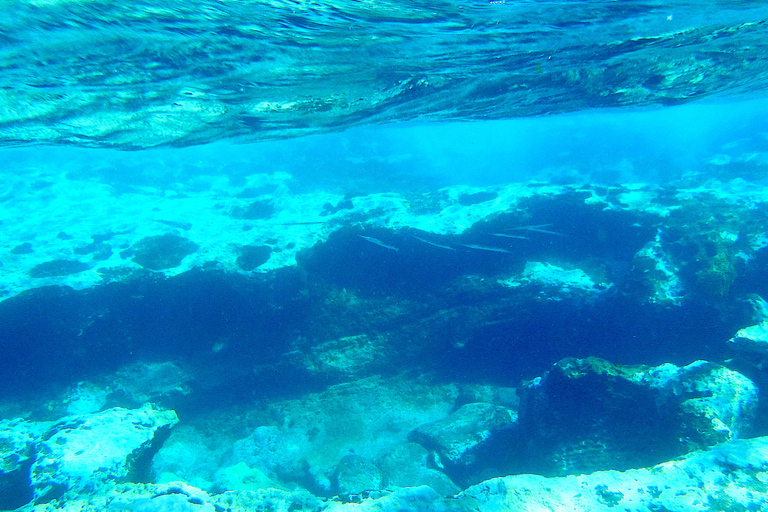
<point>149,229</point>
<point>588,414</point>
<point>332,306</point>
<point>81,453</point>
<point>303,441</point>
<point>355,475</point>
<point>470,434</point>
<point>754,338</point>
<point>730,476</point>
<point>18,439</point>
<point>407,465</point>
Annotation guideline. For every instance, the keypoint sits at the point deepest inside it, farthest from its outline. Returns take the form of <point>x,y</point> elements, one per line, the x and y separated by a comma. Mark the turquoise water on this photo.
<point>706,139</point>
<point>297,255</point>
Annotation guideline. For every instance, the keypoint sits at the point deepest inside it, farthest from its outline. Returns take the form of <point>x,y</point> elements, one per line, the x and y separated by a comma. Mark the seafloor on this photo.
<point>239,345</point>
<point>321,330</point>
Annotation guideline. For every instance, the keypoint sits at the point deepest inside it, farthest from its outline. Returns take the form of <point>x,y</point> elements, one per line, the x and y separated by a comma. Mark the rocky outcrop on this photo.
<point>407,465</point>
<point>18,439</point>
<point>82,453</point>
<point>355,475</point>
<point>588,414</point>
<point>469,438</point>
<point>753,338</point>
<point>726,477</point>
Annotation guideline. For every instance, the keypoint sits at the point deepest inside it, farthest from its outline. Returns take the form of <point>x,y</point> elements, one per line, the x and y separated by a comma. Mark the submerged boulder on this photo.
<point>162,251</point>
<point>588,414</point>
<point>751,339</point>
<point>467,438</point>
<point>355,475</point>
<point>729,476</point>
<point>754,338</point>
<point>83,453</point>
<point>407,465</point>
<point>17,452</point>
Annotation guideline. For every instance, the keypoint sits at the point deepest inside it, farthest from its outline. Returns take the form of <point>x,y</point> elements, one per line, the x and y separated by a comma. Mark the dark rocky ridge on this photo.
<point>599,281</point>
<point>439,326</point>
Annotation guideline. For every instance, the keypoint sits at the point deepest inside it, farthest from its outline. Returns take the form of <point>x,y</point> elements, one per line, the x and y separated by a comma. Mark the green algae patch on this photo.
<point>162,251</point>
<point>58,268</point>
<point>251,256</point>
<point>606,497</point>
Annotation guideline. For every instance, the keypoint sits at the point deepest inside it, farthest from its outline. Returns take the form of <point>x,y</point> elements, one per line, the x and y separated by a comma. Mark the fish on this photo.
<point>302,223</point>
<point>485,248</point>
<point>378,242</point>
<point>186,226</point>
<point>536,230</point>
<point>530,227</point>
<point>433,243</point>
<point>519,237</point>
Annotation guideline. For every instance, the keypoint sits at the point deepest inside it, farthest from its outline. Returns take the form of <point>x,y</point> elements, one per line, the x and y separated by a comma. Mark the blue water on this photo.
<point>366,188</point>
<point>659,145</point>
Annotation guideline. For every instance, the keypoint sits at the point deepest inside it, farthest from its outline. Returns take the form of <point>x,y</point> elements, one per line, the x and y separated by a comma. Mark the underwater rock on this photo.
<point>188,455</point>
<point>162,251</point>
<point>302,441</point>
<point>252,256</point>
<point>240,477</point>
<point>422,498</point>
<point>143,382</point>
<point>18,439</point>
<point>727,477</point>
<point>588,414</point>
<point>257,210</point>
<point>556,282</point>
<point>655,277</point>
<point>179,496</point>
<point>465,438</point>
<point>83,398</point>
<point>274,451</point>
<point>751,339</point>
<point>345,358</point>
<point>172,502</point>
<point>755,337</point>
<point>24,248</point>
<point>406,465</point>
<point>622,238</point>
<point>57,268</point>
<point>84,452</point>
<point>355,475</point>
<point>469,199</point>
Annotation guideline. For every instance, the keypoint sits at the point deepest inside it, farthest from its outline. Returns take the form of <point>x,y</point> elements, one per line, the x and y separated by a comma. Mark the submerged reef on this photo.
<point>383,284</point>
<point>393,350</point>
<point>331,452</point>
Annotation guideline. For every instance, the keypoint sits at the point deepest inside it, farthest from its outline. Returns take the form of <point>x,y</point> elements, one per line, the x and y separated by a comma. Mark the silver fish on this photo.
<point>485,248</point>
<point>378,242</point>
<point>433,243</point>
<point>548,232</point>
<point>531,227</point>
<point>504,235</point>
